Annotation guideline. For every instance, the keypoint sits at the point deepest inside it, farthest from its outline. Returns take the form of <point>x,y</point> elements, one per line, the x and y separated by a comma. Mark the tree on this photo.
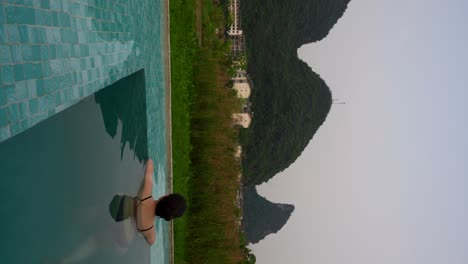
<point>249,256</point>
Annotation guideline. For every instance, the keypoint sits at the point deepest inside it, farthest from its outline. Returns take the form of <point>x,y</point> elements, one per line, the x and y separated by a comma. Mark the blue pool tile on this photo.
<point>73,78</point>
<point>23,33</point>
<point>13,113</point>
<point>38,118</point>
<point>19,72</point>
<point>32,92</point>
<point>45,66</point>
<point>10,15</point>
<point>81,91</point>
<point>24,110</point>
<point>51,84</point>
<point>73,23</point>
<point>10,94</point>
<point>37,70</point>
<point>32,70</point>
<point>41,87</point>
<point>58,98</point>
<point>66,65</point>
<point>56,35</point>
<point>44,52</point>
<point>42,105</point>
<point>63,50</point>
<point>7,75</point>
<point>53,35</point>
<point>3,116</point>
<point>15,129</point>
<point>66,6</point>
<point>56,67</point>
<point>36,3</point>
<point>69,36</point>
<point>4,132</point>
<point>64,20</point>
<point>44,18</point>
<point>28,71</point>
<point>3,35</point>
<point>33,106</point>
<point>45,4</point>
<point>37,35</point>
<point>76,92</point>
<point>67,95</point>
<point>56,5</point>
<point>12,33</point>
<point>19,127</point>
<point>31,52</point>
<point>81,36</point>
<point>22,2</point>
<point>76,51</point>
<point>74,9</point>
<point>22,91</point>
<point>36,52</point>
<point>2,16</point>
<point>27,52</point>
<point>5,56</point>
<point>84,50</point>
<point>3,97</point>
<point>25,15</point>
<point>46,102</point>
<point>55,20</point>
<point>16,54</point>
<point>52,51</point>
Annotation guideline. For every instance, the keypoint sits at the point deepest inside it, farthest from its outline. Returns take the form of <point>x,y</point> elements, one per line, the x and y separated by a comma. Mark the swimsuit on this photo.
<point>121,208</point>
<point>138,204</point>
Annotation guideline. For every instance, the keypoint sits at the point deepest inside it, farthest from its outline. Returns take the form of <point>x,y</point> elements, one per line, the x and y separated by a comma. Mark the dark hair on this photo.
<point>171,206</point>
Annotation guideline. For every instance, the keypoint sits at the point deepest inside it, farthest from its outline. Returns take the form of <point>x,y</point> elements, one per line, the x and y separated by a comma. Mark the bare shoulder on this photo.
<point>148,179</point>
<point>150,236</point>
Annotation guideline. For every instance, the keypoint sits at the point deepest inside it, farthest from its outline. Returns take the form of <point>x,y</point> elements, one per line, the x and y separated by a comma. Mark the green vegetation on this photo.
<point>289,100</point>
<point>214,185</point>
<point>262,217</point>
<point>204,139</point>
<point>183,52</point>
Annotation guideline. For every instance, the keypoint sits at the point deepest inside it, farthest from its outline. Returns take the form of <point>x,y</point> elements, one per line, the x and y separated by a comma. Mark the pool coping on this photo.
<point>168,97</point>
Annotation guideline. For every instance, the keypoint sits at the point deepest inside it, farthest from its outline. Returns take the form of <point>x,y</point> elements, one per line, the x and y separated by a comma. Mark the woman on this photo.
<point>145,209</point>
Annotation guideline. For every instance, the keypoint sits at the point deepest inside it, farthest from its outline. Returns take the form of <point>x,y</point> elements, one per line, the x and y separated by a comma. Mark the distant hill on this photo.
<point>262,217</point>
<point>290,101</point>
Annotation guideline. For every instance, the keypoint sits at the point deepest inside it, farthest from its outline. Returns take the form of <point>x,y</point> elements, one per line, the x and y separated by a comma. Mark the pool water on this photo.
<point>59,177</point>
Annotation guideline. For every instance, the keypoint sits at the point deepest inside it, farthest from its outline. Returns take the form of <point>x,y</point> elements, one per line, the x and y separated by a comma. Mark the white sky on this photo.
<point>384,180</point>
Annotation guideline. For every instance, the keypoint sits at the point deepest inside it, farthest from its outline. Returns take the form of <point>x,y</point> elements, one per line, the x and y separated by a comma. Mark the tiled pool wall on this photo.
<point>55,52</point>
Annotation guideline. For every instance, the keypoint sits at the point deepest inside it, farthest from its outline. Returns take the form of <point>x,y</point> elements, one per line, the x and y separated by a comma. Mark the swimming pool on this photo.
<point>60,176</point>
<point>54,54</point>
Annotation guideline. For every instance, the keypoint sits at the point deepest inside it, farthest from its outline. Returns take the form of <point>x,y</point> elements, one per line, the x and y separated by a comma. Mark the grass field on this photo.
<point>183,51</point>
<point>204,139</point>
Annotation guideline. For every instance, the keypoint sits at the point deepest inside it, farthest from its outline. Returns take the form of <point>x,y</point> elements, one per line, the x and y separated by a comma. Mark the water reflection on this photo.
<point>123,101</point>
<point>59,176</point>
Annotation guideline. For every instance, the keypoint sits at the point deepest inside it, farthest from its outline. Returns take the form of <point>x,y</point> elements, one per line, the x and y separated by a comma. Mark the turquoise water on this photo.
<point>54,56</point>
<point>60,176</point>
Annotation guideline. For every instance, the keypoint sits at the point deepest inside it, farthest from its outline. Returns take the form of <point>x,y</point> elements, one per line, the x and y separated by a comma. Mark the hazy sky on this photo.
<point>385,179</point>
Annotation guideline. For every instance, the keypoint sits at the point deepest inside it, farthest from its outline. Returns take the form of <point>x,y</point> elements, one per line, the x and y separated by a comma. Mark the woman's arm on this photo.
<point>146,188</point>
<point>151,237</point>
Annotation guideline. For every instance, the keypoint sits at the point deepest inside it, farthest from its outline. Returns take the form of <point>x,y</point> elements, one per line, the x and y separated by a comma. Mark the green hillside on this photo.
<point>262,217</point>
<point>290,101</point>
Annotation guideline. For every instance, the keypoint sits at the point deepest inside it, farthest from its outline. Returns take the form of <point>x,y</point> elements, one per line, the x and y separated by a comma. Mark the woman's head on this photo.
<point>171,206</point>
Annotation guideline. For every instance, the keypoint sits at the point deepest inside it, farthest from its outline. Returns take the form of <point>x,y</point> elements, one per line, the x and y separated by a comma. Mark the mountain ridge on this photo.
<point>262,217</point>
<point>289,101</point>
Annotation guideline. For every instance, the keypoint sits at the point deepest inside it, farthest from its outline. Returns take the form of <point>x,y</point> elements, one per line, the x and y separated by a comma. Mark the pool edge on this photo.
<point>168,98</point>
